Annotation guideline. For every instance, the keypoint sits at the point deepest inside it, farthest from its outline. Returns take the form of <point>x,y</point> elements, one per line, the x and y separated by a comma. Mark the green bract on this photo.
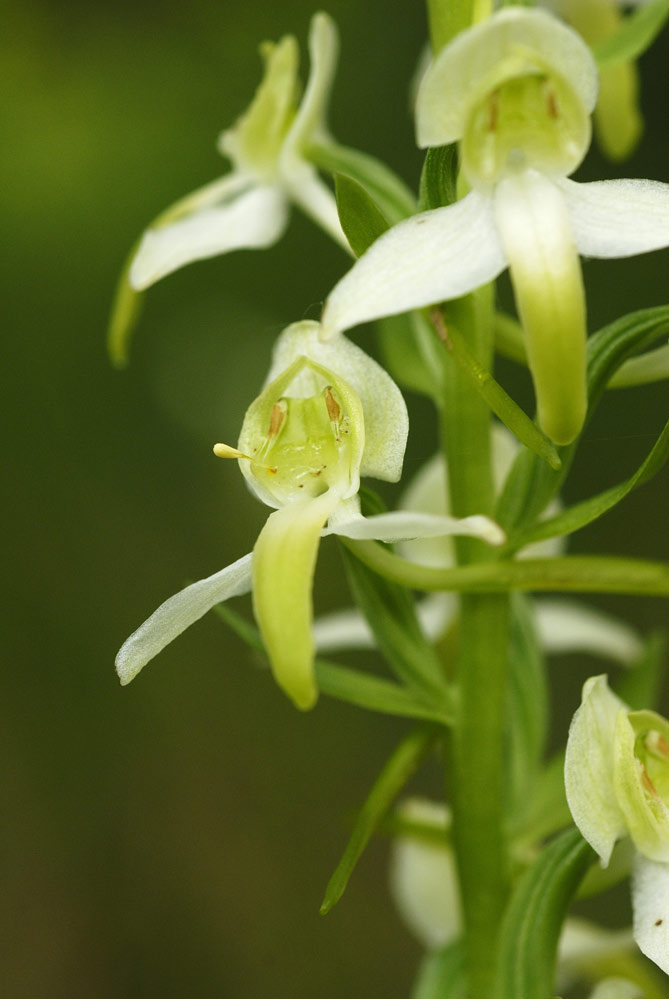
<point>516,92</point>
<point>327,415</point>
<point>617,783</point>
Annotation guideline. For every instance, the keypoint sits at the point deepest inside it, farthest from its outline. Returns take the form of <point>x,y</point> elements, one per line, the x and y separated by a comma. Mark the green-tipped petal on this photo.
<point>534,224</point>
<point>401,525</point>
<point>310,121</point>
<point>589,772</point>
<point>650,902</point>
<point>618,218</point>
<point>385,412</point>
<point>429,258</point>
<point>284,560</point>
<point>515,42</point>
<point>256,218</point>
<point>178,613</point>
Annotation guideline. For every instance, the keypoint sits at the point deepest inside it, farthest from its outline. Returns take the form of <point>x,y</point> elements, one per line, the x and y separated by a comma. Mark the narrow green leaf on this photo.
<point>403,763</point>
<point>499,401</point>
<point>391,194</point>
<point>509,340</point>
<point>652,366</point>
<point>528,704</point>
<point>125,312</point>
<point>577,516</point>
<point>636,34</point>
<point>533,921</point>
<point>531,485</point>
<point>573,573</point>
<point>439,178</point>
<point>391,615</point>
<point>360,217</point>
<point>441,975</point>
<point>351,686</point>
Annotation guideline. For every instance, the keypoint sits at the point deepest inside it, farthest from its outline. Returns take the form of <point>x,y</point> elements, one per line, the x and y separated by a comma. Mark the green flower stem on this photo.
<point>477,746</point>
<point>572,574</point>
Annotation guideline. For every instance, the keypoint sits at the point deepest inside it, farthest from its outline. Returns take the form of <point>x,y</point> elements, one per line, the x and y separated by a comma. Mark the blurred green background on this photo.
<point>175,837</point>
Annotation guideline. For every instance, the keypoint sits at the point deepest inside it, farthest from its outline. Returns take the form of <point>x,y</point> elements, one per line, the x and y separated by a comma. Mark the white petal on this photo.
<point>402,524</point>
<point>314,197</point>
<point>650,902</point>
<point>616,988</point>
<point>584,945</point>
<point>383,406</point>
<point>618,218</point>
<point>423,880</point>
<point>348,629</point>
<point>255,218</point>
<point>178,613</point>
<point>588,768</point>
<point>567,626</point>
<point>509,44</point>
<point>429,258</point>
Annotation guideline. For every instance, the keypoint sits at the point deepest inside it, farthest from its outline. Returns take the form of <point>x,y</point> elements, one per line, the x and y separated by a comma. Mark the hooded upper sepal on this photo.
<point>642,780</point>
<point>284,560</point>
<point>589,767</point>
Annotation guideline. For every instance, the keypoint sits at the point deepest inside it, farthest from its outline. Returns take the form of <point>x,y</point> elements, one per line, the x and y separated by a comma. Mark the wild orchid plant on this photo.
<point>503,110</point>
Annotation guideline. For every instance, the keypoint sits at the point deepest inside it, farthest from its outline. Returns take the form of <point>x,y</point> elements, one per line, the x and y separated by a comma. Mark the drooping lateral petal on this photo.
<point>314,197</point>
<point>588,772</point>
<point>284,560</point>
<point>400,525</point>
<point>534,225</point>
<point>385,413</point>
<point>178,613</point>
<point>567,626</point>
<point>255,218</point>
<point>618,218</point>
<point>428,258</point>
<point>650,902</point>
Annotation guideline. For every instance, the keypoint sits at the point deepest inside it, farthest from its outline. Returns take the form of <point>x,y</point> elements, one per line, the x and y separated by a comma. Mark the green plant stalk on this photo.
<point>477,744</point>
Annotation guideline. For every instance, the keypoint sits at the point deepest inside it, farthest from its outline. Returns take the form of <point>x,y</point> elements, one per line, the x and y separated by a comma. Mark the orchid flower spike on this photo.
<point>516,91</point>
<point>248,208</point>
<point>617,784</point>
<point>327,415</point>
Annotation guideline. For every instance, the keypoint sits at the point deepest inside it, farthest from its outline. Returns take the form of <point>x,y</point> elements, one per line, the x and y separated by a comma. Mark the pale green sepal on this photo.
<point>284,561</point>
<point>423,878</point>
<point>386,420</point>
<point>124,315</point>
<point>636,33</point>
<point>650,902</point>
<point>641,781</point>
<point>618,218</point>
<point>400,766</point>
<point>178,613</point>
<point>512,43</point>
<point>589,767</point>
<point>255,141</point>
<point>616,988</point>
<point>426,259</point>
<point>254,219</point>
<point>534,224</point>
<point>310,121</point>
<point>567,626</point>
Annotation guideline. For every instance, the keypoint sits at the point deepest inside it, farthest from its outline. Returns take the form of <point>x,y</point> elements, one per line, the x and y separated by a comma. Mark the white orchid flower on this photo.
<point>516,91</point>
<point>248,208</point>
<point>424,887</point>
<point>563,626</point>
<point>617,784</point>
<point>327,415</point>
